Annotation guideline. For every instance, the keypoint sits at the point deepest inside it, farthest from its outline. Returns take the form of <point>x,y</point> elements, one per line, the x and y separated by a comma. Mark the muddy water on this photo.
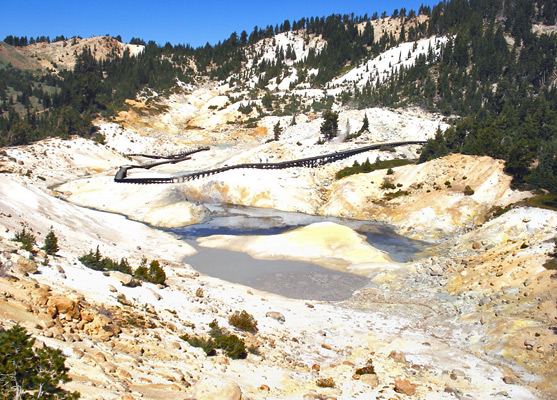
<point>287,278</point>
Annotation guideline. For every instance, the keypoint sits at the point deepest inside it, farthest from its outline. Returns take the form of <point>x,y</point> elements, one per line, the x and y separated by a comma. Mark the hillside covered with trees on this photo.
<point>494,79</point>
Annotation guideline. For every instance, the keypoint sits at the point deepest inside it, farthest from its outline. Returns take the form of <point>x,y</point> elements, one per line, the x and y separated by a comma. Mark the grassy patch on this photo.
<point>547,201</point>
<point>394,195</point>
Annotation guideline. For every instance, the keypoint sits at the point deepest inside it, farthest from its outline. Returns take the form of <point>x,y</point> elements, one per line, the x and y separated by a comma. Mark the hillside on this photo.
<point>62,55</point>
<point>411,271</point>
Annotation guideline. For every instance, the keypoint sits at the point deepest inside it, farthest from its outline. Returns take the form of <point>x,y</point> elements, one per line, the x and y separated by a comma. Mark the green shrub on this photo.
<point>356,168</point>
<point>393,195</point>
<point>468,191</point>
<point>208,345</point>
<point>99,263</point>
<point>155,274</point>
<point>26,239</point>
<point>243,321</point>
<point>387,185</point>
<point>233,346</point>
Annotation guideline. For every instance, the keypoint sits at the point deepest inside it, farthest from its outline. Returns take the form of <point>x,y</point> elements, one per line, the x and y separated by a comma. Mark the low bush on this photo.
<point>394,195</point>
<point>356,168</point>
<point>233,346</point>
<point>243,321</point>
<point>388,185</point>
<point>325,382</point>
<point>367,369</point>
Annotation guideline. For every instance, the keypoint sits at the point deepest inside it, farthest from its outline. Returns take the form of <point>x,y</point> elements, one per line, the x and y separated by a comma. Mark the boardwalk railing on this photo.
<point>310,162</point>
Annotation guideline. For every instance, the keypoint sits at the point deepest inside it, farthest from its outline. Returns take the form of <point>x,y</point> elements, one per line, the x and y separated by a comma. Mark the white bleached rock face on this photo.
<point>213,389</point>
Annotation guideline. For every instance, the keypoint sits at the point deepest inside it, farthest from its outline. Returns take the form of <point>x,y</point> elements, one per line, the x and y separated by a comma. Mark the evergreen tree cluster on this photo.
<point>154,274</point>
<point>494,74</point>
<point>29,373</point>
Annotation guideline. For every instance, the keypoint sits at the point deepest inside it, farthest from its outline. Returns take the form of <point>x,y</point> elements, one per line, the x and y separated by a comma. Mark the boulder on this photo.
<point>404,387</point>
<point>370,379</point>
<point>398,356</point>
<point>214,388</point>
<point>22,265</point>
<point>276,315</point>
<point>124,279</point>
<point>59,304</point>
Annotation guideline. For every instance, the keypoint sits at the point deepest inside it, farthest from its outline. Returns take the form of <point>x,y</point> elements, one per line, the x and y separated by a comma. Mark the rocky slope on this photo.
<point>63,54</point>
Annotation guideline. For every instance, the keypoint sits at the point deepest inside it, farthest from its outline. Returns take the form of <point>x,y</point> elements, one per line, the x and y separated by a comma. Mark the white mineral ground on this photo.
<point>476,320</point>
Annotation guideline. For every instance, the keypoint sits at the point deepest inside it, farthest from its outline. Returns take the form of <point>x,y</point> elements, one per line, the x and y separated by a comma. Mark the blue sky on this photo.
<point>194,22</point>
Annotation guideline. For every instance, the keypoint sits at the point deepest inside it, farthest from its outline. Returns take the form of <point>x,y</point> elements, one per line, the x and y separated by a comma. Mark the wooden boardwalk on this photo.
<point>310,162</point>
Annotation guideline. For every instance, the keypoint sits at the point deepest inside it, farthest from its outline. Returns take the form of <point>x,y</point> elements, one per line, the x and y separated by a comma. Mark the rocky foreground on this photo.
<point>476,320</point>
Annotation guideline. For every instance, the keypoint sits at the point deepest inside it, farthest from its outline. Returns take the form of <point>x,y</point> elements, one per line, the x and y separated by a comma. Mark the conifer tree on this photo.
<point>365,125</point>
<point>329,127</point>
<point>277,130</point>
<point>51,243</point>
<point>27,373</point>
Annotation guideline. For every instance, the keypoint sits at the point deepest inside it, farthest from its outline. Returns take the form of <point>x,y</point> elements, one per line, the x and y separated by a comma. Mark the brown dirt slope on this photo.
<point>11,55</point>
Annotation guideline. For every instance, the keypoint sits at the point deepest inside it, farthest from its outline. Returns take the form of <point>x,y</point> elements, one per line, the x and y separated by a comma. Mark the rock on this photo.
<point>476,245</point>
<point>509,380</point>
<point>326,346</point>
<point>404,387</point>
<point>398,356</point>
<point>435,270</point>
<point>213,388</point>
<point>316,367</point>
<point>264,387</point>
<point>124,279</point>
<point>157,296</point>
<point>529,344</point>
<point>22,265</point>
<point>99,357</point>
<point>370,379</point>
<point>452,390</point>
<point>123,373</point>
<point>484,300</point>
<point>276,315</point>
<point>112,288</point>
<point>59,304</point>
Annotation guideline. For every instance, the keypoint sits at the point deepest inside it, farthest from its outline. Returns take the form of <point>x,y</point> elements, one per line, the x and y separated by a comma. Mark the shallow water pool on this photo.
<point>287,278</point>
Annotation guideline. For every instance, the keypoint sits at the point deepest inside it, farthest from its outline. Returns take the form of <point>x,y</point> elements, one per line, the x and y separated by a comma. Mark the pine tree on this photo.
<point>277,130</point>
<point>27,373</point>
<point>329,127</point>
<point>51,243</point>
<point>365,125</point>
